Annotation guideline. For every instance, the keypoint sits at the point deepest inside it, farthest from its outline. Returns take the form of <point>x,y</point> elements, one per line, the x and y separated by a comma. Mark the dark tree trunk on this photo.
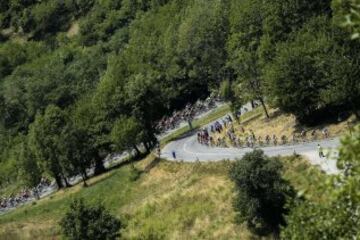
<point>146,147</point>
<point>234,111</point>
<point>66,181</point>
<point>252,104</point>
<point>59,182</point>
<point>137,150</point>
<point>264,106</point>
<point>190,124</point>
<point>355,109</point>
<point>84,177</point>
<point>154,142</point>
<point>276,234</point>
<point>151,139</point>
<point>99,165</point>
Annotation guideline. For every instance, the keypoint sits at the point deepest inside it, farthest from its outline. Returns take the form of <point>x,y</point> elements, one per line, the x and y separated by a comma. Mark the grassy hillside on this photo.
<point>173,200</point>
<point>98,63</point>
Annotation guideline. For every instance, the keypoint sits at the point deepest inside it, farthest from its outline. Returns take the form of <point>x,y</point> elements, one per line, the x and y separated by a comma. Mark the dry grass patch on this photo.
<point>284,124</point>
<point>187,201</point>
<point>30,230</point>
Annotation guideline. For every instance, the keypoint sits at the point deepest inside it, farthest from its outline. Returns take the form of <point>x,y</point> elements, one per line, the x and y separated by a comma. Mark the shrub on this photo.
<point>89,222</point>
<point>262,193</point>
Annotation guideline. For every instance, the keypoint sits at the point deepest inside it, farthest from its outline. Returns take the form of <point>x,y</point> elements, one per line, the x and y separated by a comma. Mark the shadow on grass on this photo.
<point>151,165</point>
<point>323,123</point>
<point>128,161</point>
<point>90,184</point>
<point>276,114</point>
<point>251,118</point>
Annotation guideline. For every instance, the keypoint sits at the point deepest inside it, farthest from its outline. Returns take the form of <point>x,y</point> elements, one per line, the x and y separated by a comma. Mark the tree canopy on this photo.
<point>261,191</point>
<point>96,70</point>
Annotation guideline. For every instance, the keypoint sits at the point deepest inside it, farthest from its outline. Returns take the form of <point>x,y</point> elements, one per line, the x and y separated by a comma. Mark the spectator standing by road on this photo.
<point>321,153</point>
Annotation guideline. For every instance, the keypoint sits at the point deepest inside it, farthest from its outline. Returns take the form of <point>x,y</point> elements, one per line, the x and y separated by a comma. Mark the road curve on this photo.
<point>188,149</point>
<point>109,161</point>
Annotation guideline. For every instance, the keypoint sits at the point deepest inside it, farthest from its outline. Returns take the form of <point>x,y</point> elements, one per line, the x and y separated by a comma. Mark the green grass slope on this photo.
<point>171,201</point>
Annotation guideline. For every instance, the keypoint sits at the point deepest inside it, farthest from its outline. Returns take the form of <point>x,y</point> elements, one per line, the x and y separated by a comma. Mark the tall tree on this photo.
<point>126,134</point>
<point>30,170</point>
<point>306,71</point>
<point>231,92</point>
<point>77,153</point>
<point>144,95</point>
<point>246,18</point>
<point>47,140</point>
<point>88,119</point>
<point>283,18</point>
<point>201,43</point>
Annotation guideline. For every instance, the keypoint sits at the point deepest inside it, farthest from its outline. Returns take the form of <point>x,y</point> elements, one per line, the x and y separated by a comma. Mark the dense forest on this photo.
<point>82,78</point>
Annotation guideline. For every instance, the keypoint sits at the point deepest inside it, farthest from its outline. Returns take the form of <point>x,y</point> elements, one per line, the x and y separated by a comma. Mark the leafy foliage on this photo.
<point>47,138</point>
<point>246,19</point>
<point>126,133</point>
<point>347,15</point>
<point>101,62</point>
<point>89,222</point>
<point>58,145</point>
<point>262,193</point>
<point>307,72</point>
<point>338,218</point>
<point>350,151</point>
<point>30,170</point>
<point>231,92</point>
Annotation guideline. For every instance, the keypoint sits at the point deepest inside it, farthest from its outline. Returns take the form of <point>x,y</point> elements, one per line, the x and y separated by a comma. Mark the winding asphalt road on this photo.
<point>188,149</point>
